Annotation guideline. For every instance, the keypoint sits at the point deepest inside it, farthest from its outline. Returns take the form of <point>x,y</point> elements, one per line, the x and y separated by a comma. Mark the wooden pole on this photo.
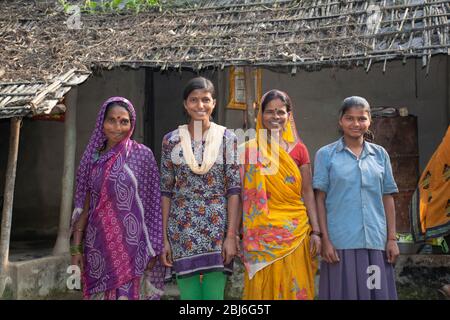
<point>5,235</point>
<point>448,90</point>
<point>222,98</point>
<point>62,244</point>
<point>249,96</point>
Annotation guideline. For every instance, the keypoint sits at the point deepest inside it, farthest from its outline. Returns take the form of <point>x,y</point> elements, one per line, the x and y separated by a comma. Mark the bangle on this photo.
<point>230,233</point>
<point>393,239</point>
<point>317,233</point>
<point>74,250</point>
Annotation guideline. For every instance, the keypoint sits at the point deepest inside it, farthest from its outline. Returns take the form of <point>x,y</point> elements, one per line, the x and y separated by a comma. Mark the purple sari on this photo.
<point>124,229</point>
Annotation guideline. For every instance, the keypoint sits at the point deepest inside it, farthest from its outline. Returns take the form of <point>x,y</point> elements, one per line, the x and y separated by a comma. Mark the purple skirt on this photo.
<point>361,274</point>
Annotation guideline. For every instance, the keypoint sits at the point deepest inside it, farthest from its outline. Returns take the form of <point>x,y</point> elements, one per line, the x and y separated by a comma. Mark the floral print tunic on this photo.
<point>198,213</point>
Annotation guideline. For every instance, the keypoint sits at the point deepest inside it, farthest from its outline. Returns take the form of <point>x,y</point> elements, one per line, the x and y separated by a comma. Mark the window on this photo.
<point>237,88</point>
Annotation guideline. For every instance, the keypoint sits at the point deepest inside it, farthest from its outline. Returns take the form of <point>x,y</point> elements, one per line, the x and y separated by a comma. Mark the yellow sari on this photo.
<point>430,208</point>
<point>275,223</point>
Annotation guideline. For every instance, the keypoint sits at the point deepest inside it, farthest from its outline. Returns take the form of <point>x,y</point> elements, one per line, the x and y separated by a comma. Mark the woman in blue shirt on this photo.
<point>354,185</point>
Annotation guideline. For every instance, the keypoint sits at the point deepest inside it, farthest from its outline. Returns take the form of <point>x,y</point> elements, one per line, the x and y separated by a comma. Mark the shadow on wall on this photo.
<point>37,193</point>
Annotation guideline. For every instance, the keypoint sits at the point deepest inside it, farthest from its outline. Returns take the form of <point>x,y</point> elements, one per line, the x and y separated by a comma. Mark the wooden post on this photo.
<point>249,97</point>
<point>5,235</point>
<point>448,90</point>
<point>62,244</point>
<point>222,99</point>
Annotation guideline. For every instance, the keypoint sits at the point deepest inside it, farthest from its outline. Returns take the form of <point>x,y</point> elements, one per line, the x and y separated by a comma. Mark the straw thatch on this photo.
<point>36,40</point>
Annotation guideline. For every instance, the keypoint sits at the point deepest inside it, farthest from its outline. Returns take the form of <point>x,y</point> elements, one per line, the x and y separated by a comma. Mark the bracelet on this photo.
<point>232,236</point>
<point>74,250</point>
<point>230,233</point>
<point>317,233</point>
<point>393,239</point>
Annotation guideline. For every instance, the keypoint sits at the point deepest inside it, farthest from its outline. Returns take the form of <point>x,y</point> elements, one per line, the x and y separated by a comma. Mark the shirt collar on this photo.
<point>340,145</point>
<point>367,148</point>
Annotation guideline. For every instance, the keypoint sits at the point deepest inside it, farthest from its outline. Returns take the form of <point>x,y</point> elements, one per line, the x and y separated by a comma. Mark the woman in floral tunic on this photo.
<point>200,184</point>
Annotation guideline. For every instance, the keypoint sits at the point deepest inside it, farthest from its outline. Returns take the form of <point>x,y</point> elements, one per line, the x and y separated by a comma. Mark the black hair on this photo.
<point>119,104</point>
<point>276,94</point>
<point>356,101</point>
<point>199,83</point>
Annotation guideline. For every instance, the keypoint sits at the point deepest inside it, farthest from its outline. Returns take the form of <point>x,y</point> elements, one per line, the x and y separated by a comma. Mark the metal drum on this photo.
<point>398,135</point>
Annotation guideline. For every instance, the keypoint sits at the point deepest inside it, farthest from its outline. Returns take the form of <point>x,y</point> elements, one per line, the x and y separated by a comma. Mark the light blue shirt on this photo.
<point>354,193</point>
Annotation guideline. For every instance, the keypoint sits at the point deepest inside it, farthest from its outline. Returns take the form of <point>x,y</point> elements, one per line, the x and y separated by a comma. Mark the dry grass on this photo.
<point>36,43</point>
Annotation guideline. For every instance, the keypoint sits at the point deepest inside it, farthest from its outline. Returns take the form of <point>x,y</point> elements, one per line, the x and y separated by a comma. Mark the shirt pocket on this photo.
<point>372,174</point>
<point>343,173</point>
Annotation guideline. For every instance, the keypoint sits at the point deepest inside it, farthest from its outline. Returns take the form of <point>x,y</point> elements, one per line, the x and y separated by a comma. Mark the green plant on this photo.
<point>64,4</point>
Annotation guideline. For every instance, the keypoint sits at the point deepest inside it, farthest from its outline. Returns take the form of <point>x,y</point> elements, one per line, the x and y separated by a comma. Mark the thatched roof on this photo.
<point>37,98</point>
<point>36,42</point>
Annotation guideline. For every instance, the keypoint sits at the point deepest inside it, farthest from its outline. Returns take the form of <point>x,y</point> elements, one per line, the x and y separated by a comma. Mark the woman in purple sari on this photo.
<point>117,221</point>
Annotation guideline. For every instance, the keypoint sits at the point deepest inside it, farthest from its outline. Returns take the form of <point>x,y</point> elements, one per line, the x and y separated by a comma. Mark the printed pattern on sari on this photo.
<point>275,222</point>
<point>274,217</point>
<point>137,289</point>
<point>124,229</point>
<point>288,278</point>
<point>430,204</point>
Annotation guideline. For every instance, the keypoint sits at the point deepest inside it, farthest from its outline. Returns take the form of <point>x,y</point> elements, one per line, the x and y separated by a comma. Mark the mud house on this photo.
<point>56,69</point>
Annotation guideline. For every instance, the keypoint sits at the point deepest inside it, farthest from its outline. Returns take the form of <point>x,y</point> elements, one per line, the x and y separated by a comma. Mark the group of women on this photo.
<point>134,225</point>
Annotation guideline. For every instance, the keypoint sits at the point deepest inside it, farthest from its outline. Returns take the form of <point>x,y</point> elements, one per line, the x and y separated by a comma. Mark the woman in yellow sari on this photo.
<point>281,234</point>
<point>430,207</point>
